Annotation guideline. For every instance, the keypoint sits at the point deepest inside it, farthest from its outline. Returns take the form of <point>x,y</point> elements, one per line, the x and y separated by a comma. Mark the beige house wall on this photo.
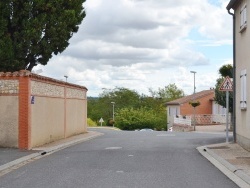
<point>9,121</point>
<point>242,62</point>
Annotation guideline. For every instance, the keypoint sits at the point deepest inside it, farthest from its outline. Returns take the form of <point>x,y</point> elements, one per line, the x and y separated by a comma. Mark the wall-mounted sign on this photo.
<point>32,100</point>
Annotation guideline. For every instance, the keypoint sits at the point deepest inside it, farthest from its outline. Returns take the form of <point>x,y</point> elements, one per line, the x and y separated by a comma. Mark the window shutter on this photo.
<point>243,17</point>
<point>243,93</point>
<point>245,14</point>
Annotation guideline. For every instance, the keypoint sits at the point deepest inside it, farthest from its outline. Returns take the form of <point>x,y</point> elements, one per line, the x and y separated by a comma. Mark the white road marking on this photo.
<point>119,171</point>
<point>166,135</point>
<point>113,148</point>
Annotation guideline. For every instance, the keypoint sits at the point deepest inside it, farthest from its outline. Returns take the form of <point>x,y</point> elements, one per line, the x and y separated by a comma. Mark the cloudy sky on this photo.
<point>142,44</point>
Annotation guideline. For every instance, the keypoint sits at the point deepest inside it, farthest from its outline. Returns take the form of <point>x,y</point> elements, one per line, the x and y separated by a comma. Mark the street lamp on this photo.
<point>113,103</point>
<point>194,96</point>
<point>66,77</point>
<point>194,79</point>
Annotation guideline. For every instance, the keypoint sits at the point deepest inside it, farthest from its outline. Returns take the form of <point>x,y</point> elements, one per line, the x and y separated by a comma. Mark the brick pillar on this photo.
<point>24,137</point>
<point>65,111</point>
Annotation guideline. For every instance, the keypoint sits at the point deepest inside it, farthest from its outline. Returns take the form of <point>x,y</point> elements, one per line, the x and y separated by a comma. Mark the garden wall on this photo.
<point>37,110</point>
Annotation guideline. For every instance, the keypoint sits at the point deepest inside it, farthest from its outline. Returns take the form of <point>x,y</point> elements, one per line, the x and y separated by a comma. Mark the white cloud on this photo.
<point>140,44</point>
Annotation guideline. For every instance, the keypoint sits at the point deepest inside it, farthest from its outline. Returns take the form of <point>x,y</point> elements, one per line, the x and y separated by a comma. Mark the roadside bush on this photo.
<point>110,122</point>
<point>91,123</point>
<point>131,119</point>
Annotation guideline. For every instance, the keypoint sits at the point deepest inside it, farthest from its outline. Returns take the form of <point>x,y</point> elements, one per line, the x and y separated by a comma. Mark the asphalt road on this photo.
<point>121,159</point>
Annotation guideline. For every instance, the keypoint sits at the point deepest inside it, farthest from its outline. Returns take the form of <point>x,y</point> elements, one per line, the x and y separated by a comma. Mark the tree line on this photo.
<point>133,110</point>
<point>138,111</point>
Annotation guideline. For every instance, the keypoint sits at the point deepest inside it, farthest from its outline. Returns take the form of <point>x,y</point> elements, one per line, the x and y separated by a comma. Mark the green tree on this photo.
<point>226,70</point>
<point>220,96</point>
<point>122,97</point>
<point>168,93</point>
<point>31,31</point>
<point>95,109</point>
<point>102,107</point>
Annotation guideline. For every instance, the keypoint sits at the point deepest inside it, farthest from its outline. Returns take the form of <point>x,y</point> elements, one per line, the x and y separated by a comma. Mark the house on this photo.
<point>207,107</point>
<point>240,10</point>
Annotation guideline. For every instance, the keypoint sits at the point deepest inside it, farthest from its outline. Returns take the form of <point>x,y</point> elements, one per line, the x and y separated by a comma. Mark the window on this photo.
<point>173,111</point>
<point>243,17</point>
<point>243,92</point>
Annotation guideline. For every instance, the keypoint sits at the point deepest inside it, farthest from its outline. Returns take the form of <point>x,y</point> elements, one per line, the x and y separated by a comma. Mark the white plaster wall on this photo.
<point>242,62</point>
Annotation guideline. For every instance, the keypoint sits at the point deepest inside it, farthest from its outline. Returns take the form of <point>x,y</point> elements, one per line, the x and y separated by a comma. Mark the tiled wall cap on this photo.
<point>24,73</point>
<point>15,73</point>
<point>27,73</point>
<point>8,74</point>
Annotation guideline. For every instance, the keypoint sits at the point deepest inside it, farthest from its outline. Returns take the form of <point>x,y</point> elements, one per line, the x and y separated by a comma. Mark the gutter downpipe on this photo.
<point>234,77</point>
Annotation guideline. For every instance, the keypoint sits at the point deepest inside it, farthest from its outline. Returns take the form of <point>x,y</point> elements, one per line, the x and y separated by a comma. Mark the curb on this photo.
<point>46,151</point>
<point>105,127</point>
<point>19,161</point>
<point>236,175</point>
<point>70,143</point>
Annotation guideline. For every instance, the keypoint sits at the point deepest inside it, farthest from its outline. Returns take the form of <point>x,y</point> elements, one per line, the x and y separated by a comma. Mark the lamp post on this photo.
<point>113,103</point>
<point>194,96</point>
<point>66,77</point>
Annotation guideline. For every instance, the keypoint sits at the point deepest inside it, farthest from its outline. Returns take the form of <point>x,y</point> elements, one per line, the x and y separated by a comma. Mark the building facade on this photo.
<point>240,10</point>
<point>182,107</point>
<point>208,112</point>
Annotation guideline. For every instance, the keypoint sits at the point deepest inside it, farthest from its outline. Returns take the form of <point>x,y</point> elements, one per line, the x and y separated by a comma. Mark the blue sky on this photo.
<point>142,44</point>
<point>213,51</point>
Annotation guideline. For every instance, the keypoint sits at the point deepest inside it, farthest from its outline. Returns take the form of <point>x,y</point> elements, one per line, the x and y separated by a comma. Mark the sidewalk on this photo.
<point>231,159</point>
<point>211,128</point>
<point>11,157</point>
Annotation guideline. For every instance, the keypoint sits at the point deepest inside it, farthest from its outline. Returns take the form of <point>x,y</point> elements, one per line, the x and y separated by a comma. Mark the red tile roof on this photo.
<point>188,98</point>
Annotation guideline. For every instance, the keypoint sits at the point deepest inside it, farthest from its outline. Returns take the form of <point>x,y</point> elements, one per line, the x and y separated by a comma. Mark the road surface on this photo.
<point>125,159</point>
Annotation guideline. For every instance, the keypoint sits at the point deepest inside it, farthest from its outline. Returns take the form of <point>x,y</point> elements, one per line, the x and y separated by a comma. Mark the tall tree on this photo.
<point>220,96</point>
<point>102,107</point>
<point>31,31</point>
<point>122,97</point>
<point>226,70</point>
<point>168,93</point>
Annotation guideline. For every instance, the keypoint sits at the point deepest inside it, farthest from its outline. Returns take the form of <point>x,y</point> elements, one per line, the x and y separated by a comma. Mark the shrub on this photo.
<point>91,123</point>
<point>131,119</point>
<point>110,122</point>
